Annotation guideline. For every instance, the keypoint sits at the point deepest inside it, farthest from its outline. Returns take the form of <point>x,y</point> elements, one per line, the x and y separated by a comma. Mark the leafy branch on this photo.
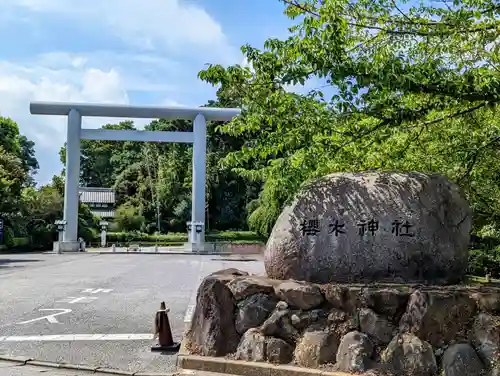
<point>454,28</point>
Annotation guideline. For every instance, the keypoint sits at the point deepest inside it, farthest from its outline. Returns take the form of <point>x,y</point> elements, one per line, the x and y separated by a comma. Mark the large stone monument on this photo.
<point>340,295</point>
<point>395,227</point>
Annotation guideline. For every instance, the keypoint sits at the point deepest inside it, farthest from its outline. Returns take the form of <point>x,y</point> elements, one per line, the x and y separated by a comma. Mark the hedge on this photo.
<point>226,236</point>
<point>19,242</point>
<point>18,245</point>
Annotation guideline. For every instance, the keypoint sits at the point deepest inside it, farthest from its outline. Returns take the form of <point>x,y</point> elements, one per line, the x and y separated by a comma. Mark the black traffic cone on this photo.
<point>163,332</point>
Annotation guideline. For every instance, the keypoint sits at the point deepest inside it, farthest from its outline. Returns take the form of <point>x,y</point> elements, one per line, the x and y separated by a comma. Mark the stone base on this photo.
<point>203,248</point>
<point>403,329</point>
<point>69,246</point>
<point>227,247</point>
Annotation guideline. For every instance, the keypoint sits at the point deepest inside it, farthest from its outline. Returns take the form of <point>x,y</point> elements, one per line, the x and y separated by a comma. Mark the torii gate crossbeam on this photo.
<point>75,133</point>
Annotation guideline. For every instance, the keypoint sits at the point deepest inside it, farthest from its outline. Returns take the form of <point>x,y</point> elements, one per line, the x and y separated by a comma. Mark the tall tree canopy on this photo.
<point>17,164</point>
<point>29,212</point>
<point>413,87</point>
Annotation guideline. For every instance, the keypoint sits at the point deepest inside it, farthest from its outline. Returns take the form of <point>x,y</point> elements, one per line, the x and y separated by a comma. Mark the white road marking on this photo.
<point>189,313</point>
<point>78,337</point>
<point>50,318</point>
<point>192,299</point>
<point>96,291</point>
<point>81,299</point>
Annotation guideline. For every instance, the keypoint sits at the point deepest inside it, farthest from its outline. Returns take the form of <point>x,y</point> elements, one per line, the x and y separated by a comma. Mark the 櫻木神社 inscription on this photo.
<point>373,226</point>
<point>311,227</point>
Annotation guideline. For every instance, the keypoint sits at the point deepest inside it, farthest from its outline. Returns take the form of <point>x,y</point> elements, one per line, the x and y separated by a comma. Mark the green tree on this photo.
<point>128,218</point>
<point>9,136</point>
<point>28,159</point>
<point>87,223</point>
<point>396,87</point>
<point>42,207</point>
<point>17,167</point>
<point>29,212</point>
<point>12,178</point>
<point>102,161</point>
<point>155,178</point>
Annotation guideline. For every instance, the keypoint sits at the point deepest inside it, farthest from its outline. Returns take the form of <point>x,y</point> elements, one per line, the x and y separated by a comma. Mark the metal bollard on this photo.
<point>156,248</point>
<point>113,248</point>
<point>163,332</point>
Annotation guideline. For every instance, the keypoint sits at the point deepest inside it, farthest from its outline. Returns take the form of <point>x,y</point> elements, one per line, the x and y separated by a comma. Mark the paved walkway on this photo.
<point>98,310</point>
<point>19,369</point>
<point>118,250</point>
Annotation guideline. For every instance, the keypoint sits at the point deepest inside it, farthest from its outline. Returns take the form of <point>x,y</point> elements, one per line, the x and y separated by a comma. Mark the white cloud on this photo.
<point>172,102</point>
<point>72,78</point>
<point>103,87</point>
<point>19,85</point>
<point>123,51</point>
<point>172,25</point>
<point>134,69</point>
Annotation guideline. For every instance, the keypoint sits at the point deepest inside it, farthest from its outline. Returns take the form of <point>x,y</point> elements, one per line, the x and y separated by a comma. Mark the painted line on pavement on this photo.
<point>50,318</point>
<point>78,337</point>
<point>189,313</point>
<point>192,299</point>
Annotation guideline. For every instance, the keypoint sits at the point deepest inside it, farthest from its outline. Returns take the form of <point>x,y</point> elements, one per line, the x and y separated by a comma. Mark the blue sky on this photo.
<point>118,51</point>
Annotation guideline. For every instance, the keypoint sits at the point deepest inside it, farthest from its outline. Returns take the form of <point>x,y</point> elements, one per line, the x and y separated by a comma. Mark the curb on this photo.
<point>15,359</point>
<point>25,361</point>
<point>161,253</point>
<point>77,367</point>
<point>243,368</point>
<point>153,253</point>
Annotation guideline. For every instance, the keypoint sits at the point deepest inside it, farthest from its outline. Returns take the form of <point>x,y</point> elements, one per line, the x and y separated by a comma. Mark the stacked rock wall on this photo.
<point>403,330</point>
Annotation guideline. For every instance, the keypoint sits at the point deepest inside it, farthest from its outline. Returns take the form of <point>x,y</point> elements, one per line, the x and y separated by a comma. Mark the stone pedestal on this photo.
<point>401,328</point>
<point>69,246</point>
<point>202,248</point>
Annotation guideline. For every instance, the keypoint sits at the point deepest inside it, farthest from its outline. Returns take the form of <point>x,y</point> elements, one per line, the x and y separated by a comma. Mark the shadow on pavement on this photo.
<point>17,263</point>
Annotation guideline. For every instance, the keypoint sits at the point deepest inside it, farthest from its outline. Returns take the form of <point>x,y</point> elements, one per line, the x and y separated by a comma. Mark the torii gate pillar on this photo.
<point>199,174</point>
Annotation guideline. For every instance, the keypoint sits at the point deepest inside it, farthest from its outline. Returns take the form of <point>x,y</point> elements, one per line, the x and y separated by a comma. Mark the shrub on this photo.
<point>8,237</point>
<point>21,242</point>
<point>482,261</point>
<point>128,218</point>
<point>17,244</point>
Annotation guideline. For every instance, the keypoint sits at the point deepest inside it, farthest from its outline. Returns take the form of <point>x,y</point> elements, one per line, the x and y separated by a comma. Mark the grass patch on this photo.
<point>476,280</point>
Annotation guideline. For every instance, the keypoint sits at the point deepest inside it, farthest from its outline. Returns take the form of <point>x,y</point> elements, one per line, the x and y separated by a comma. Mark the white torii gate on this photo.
<point>75,133</point>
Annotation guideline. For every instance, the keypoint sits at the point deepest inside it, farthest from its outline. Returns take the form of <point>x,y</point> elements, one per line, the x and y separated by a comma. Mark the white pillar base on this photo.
<point>69,246</point>
<point>205,248</point>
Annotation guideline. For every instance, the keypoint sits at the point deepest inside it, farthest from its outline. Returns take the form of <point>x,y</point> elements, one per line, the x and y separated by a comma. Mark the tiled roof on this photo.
<point>97,195</point>
<point>110,213</point>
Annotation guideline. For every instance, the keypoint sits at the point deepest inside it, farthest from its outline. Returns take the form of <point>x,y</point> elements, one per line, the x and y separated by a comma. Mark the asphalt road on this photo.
<point>96,309</point>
